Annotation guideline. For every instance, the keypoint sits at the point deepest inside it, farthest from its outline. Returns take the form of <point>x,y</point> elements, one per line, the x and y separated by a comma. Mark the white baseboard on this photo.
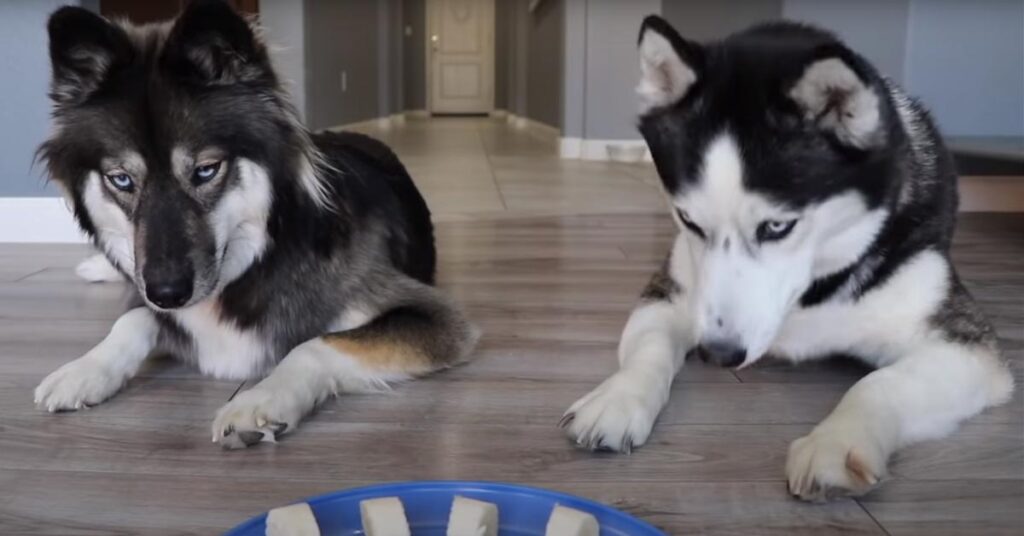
<point>570,148</point>
<point>498,114</point>
<point>417,114</point>
<point>383,123</point>
<point>604,150</point>
<point>371,123</point>
<point>542,131</point>
<point>38,219</point>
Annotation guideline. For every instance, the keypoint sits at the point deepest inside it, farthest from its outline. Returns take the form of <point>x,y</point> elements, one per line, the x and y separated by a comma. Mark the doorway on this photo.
<point>460,56</point>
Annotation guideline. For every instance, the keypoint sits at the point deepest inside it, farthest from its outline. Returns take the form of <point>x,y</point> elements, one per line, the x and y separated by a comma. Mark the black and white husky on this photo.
<point>255,246</point>
<point>816,203</point>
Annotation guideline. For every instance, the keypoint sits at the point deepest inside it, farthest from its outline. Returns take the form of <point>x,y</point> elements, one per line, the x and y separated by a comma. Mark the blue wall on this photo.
<point>877,29</point>
<point>25,110</point>
<point>963,58</point>
<point>966,62</point>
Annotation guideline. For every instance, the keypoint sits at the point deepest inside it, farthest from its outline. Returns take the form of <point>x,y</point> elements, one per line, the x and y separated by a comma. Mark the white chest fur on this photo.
<point>221,349</point>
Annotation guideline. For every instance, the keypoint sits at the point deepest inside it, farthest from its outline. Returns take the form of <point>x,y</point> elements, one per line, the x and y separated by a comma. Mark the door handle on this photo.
<point>434,40</point>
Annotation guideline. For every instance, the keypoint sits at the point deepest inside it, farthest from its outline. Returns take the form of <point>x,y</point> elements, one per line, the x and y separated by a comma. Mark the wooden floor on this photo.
<point>548,257</point>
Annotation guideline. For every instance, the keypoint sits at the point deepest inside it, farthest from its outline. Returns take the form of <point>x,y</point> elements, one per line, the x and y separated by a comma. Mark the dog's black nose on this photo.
<point>169,294</point>
<point>722,353</point>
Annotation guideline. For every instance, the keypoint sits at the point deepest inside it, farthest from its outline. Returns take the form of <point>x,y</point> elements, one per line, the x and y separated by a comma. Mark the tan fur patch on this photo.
<point>862,476</point>
<point>383,355</point>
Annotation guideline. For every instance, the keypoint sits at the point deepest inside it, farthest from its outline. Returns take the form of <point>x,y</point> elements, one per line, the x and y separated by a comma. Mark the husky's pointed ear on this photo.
<point>212,44</point>
<point>84,48</point>
<point>832,95</point>
<point>669,64</point>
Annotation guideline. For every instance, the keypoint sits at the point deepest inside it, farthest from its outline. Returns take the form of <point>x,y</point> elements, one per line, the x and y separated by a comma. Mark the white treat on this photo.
<point>384,517</point>
<point>294,520</point>
<point>568,522</point>
<point>470,517</point>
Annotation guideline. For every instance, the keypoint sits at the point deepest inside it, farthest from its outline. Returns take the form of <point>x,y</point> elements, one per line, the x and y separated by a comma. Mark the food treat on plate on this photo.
<point>384,516</point>
<point>470,517</point>
<point>568,522</point>
<point>294,520</point>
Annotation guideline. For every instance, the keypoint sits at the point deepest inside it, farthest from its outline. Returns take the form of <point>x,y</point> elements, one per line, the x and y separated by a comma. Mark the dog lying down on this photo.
<point>257,249</point>
<point>815,204</point>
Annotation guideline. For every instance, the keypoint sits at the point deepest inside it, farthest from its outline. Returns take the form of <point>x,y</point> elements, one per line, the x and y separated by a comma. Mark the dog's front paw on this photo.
<point>834,461</point>
<point>97,269</point>
<point>81,383</point>
<point>253,416</point>
<point>618,415</point>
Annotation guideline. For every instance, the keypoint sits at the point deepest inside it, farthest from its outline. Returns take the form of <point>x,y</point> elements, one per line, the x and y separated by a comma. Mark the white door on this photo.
<point>460,56</point>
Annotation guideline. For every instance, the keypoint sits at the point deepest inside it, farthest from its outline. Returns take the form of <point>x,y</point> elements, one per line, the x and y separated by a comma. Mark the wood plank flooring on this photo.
<point>548,257</point>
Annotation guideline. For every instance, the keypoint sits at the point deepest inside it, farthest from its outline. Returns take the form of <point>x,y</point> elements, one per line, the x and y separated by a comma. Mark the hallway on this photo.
<point>548,256</point>
<point>481,167</point>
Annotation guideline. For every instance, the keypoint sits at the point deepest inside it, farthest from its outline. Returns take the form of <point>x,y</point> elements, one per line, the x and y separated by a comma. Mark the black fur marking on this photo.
<point>961,321</point>
<point>661,286</point>
<point>824,288</point>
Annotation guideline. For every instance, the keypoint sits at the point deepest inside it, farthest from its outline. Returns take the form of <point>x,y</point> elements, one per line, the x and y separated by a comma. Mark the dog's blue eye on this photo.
<point>771,230</point>
<point>121,181</point>
<point>203,174</point>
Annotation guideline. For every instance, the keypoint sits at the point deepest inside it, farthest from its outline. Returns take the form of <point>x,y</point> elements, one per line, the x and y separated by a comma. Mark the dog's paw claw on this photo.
<point>77,385</point>
<point>617,416</point>
<point>252,417</point>
<point>829,464</point>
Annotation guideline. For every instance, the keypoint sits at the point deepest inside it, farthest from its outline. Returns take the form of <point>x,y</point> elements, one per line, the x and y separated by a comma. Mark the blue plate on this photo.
<point>522,510</point>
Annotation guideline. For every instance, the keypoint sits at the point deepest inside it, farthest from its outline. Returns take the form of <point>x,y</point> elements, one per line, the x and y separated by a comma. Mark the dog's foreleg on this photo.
<point>922,396</point>
<point>423,334</point>
<point>618,415</point>
<point>98,269</point>
<point>101,372</point>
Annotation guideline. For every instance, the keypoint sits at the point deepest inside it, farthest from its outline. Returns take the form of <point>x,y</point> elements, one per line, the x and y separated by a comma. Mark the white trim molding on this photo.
<point>542,131</point>
<point>38,219</point>
<point>604,150</point>
<point>383,123</point>
<point>570,148</point>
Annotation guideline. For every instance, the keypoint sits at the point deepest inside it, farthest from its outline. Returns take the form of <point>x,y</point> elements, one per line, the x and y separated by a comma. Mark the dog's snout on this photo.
<point>722,353</point>
<point>171,293</point>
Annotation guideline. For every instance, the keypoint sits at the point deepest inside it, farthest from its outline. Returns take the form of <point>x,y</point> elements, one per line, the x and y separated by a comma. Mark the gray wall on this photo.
<point>511,49</point>
<point>520,21</point>
<point>877,29</point>
<point>612,67</point>
<point>701,20</point>
<point>341,36</point>
<point>390,57</point>
<point>544,62</point>
<point>503,12</point>
<point>414,74</point>
<point>966,61</point>
<point>25,113</point>
<point>283,23</point>
<point>574,85</point>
